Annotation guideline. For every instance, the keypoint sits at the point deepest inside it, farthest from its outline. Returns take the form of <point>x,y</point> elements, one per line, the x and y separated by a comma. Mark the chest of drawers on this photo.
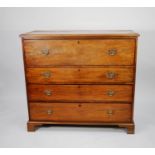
<point>80,77</point>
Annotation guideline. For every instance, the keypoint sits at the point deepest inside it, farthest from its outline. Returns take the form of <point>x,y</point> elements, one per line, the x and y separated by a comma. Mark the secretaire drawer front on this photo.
<point>80,93</point>
<point>82,112</point>
<point>79,75</point>
<point>79,52</point>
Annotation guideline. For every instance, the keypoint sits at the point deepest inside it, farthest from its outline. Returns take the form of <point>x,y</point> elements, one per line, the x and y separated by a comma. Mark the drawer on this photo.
<point>79,52</point>
<point>78,75</point>
<point>80,112</point>
<point>80,93</point>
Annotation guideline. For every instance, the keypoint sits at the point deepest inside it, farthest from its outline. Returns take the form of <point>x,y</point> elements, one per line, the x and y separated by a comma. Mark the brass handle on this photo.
<point>47,74</point>
<point>111,93</point>
<point>110,112</point>
<point>45,51</point>
<point>49,112</point>
<point>112,52</point>
<point>48,92</point>
<point>111,75</point>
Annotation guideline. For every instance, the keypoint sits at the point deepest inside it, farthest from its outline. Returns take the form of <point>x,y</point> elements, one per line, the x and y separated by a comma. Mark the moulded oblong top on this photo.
<point>79,34</point>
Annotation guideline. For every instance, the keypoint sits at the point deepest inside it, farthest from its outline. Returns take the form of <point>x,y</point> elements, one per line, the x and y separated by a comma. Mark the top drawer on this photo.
<point>79,52</point>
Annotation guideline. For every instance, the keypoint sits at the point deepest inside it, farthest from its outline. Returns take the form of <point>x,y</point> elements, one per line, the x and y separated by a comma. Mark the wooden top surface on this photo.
<point>79,34</point>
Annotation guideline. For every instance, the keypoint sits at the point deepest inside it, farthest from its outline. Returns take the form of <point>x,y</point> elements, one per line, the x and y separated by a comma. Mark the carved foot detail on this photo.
<point>130,128</point>
<point>31,127</point>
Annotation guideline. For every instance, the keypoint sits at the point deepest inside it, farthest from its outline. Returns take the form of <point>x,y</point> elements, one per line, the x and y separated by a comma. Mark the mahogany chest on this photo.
<point>80,77</point>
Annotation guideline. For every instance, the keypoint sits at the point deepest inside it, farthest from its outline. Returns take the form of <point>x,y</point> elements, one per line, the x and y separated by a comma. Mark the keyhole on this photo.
<point>79,105</point>
<point>78,42</point>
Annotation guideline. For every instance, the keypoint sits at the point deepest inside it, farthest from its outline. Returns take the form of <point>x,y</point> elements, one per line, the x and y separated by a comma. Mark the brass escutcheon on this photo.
<point>49,112</point>
<point>111,93</point>
<point>48,92</point>
<point>112,52</point>
<point>45,51</point>
<point>111,75</point>
<point>47,74</point>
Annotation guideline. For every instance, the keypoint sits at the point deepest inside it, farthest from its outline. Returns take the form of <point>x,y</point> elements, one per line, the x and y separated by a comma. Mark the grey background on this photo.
<point>13,107</point>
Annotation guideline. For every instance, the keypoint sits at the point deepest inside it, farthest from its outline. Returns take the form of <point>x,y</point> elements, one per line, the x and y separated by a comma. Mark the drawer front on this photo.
<point>79,75</point>
<point>80,93</point>
<point>79,52</point>
<point>80,112</point>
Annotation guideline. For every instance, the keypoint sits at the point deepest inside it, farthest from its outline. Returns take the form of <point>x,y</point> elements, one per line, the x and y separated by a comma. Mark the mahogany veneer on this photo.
<point>80,77</point>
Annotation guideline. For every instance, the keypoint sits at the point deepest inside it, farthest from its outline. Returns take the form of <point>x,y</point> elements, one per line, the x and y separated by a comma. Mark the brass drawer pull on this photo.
<point>47,74</point>
<point>45,51</point>
<point>112,52</point>
<point>49,112</point>
<point>111,75</point>
<point>48,92</point>
<point>111,93</point>
<point>110,112</point>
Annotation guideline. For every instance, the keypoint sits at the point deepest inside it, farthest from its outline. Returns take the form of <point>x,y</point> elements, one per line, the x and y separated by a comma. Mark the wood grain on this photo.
<point>77,89</point>
<point>79,52</point>
<point>80,93</point>
<point>79,75</point>
<point>83,112</point>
